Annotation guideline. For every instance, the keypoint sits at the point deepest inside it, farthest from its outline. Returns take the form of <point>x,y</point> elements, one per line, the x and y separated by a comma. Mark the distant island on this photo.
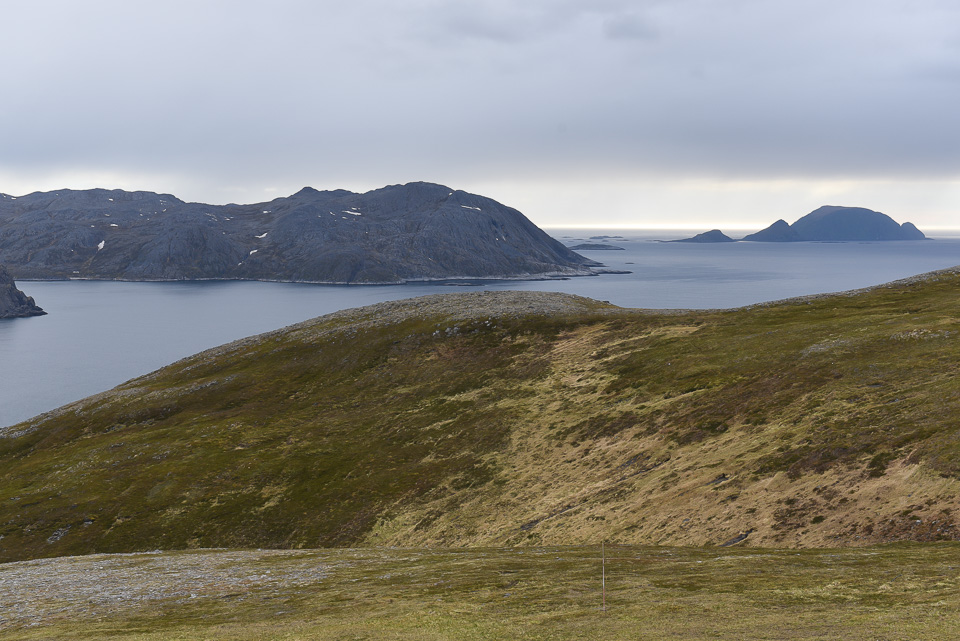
<point>595,247</point>
<point>712,236</point>
<point>828,223</point>
<point>13,302</point>
<point>400,233</point>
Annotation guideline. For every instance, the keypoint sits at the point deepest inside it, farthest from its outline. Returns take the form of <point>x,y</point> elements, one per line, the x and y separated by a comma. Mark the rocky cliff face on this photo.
<point>13,302</point>
<point>417,231</point>
<point>839,223</point>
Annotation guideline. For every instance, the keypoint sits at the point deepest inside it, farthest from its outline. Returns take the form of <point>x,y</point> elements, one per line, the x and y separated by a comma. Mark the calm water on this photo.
<point>99,334</point>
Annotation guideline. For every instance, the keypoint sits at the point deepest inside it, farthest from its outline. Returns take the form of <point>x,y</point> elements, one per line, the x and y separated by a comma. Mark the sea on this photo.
<point>98,334</point>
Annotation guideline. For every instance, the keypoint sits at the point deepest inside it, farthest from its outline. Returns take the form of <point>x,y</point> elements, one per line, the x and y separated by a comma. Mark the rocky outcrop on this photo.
<point>13,302</point>
<point>833,223</point>
<point>712,236</point>
<point>418,231</point>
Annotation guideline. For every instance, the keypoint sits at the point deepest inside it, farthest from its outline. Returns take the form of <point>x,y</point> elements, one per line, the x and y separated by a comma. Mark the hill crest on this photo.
<point>512,418</point>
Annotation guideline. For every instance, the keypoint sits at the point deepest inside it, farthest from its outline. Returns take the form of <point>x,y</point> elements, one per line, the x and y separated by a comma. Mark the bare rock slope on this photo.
<point>417,231</point>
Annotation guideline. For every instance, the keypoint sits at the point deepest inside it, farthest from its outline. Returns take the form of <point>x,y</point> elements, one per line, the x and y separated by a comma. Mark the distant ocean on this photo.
<point>99,334</point>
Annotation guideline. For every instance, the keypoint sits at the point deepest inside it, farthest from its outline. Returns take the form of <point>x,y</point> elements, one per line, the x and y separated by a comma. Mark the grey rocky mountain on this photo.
<point>836,223</point>
<point>417,231</point>
<point>13,302</point>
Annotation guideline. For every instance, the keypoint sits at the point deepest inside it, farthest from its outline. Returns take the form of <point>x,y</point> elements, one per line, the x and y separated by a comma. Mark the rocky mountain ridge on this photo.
<point>417,231</point>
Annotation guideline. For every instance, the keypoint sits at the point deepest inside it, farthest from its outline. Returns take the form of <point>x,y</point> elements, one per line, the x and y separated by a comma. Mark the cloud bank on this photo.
<point>226,101</point>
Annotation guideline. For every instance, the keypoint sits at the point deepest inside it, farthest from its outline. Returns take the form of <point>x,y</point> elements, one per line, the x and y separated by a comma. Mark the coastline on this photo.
<point>564,275</point>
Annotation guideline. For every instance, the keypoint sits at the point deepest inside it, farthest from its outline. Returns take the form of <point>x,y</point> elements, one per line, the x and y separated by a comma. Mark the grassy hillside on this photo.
<point>865,594</point>
<point>517,419</point>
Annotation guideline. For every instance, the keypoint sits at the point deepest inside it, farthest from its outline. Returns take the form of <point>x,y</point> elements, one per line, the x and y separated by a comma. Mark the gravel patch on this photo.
<point>99,585</point>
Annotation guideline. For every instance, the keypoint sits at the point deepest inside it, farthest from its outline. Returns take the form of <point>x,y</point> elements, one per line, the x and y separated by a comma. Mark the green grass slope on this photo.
<point>517,418</point>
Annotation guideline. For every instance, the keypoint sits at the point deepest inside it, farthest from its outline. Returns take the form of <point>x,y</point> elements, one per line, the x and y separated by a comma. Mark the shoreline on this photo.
<point>426,279</point>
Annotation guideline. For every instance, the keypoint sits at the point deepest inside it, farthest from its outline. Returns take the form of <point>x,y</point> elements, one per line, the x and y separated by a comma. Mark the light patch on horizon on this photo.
<point>714,204</point>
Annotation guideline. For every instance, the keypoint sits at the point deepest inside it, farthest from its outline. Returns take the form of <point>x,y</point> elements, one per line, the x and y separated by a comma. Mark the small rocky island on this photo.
<point>712,236</point>
<point>595,247</point>
<point>400,233</point>
<point>13,302</point>
<point>828,223</point>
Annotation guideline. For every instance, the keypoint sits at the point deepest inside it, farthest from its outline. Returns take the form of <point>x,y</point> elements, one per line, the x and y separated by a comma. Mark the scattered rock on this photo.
<point>737,539</point>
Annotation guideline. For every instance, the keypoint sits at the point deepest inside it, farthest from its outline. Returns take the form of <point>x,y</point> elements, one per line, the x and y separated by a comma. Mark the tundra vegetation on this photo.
<point>476,431</point>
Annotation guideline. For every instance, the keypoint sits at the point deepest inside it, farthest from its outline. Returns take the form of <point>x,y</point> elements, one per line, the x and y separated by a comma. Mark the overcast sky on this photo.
<point>646,113</point>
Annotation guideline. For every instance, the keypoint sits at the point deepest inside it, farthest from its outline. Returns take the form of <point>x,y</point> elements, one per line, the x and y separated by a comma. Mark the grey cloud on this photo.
<point>475,20</point>
<point>513,22</point>
<point>250,92</point>
<point>629,27</point>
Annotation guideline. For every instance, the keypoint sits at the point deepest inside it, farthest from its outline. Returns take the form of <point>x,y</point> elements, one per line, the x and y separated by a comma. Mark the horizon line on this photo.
<point>690,227</point>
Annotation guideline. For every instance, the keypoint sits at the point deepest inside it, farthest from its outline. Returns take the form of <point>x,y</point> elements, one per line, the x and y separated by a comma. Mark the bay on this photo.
<point>98,334</point>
